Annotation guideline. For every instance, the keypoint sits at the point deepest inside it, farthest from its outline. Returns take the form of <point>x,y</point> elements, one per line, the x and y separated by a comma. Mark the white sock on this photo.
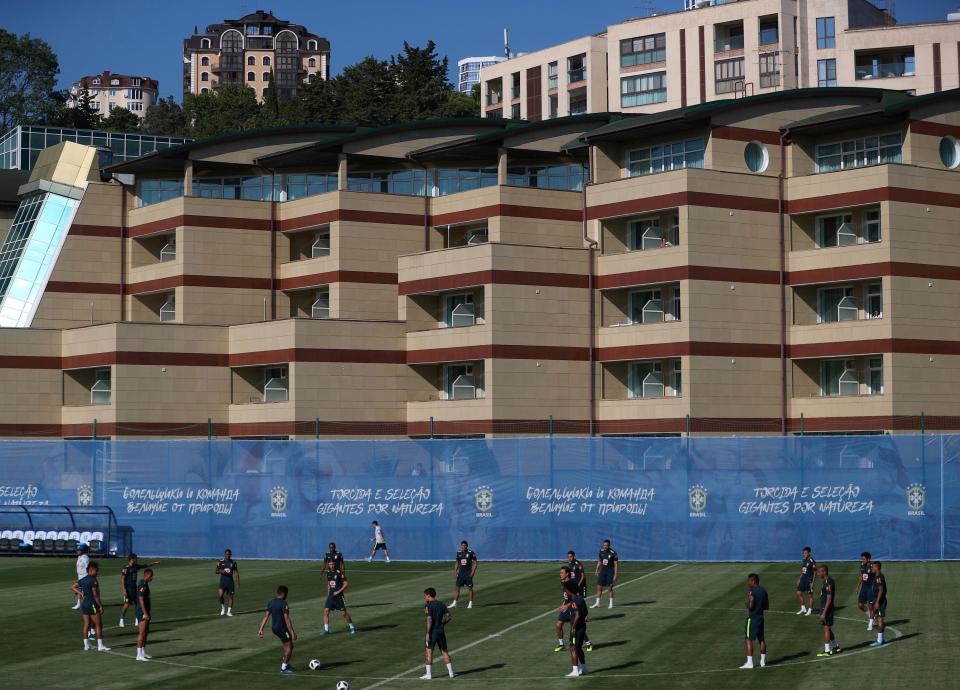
<point>229,609</point>
<point>576,669</point>
<point>763,658</point>
<point>450,669</point>
<point>559,641</point>
<point>352,626</point>
<point>880,638</point>
<point>470,605</point>
<point>803,608</point>
<point>429,673</point>
<point>597,602</point>
<point>749,661</point>
<point>86,643</point>
<point>139,652</point>
<point>826,647</point>
<point>283,666</point>
<point>100,644</point>
<point>326,627</point>
<point>611,602</point>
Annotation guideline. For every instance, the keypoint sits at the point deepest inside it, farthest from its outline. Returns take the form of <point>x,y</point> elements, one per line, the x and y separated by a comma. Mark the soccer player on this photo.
<point>865,588</point>
<point>143,614</point>
<point>608,569</point>
<point>336,586</point>
<point>90,605</point>
<point>577,572</point>
<point>465,567</point>
<point>757,603</point>
<point>578,627</point>
<point>229,573</point>
<point>808,571</point>
<point>83,560</point>
<point>828,600</point>
<point>333,555</point>
<point>379,542</point>
<point>281,625</point>
<point>128,583</point>
<point>437,616</point>
<point>878,607</point>
<point>566,612</point>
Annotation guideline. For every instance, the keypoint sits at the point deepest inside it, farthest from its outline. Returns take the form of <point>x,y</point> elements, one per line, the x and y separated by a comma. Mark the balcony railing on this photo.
<point>576,75</point>
<point>886,70</point>
<point>494,97</point>
<point>769,36</point>
<point>722,45</point>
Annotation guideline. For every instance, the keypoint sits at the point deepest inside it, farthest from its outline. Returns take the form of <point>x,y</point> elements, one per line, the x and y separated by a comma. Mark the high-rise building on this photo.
<point>108,91</point>
<point>715,50</point>
<point>780,262</point>
<point>468,70</point>
<point>254,50</point>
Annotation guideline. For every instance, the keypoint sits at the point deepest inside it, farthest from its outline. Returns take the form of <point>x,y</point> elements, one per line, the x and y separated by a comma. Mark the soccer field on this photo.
<point>674,625</point>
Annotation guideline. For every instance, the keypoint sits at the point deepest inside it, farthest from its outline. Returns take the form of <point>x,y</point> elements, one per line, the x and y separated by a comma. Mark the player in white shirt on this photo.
<point>379,542</point>
<point>83,560</point>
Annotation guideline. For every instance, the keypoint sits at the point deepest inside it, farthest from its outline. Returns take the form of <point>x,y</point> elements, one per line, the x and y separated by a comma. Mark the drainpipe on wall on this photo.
<point>781,212</point>
<point>123,255</point>
<point>273,244</point>
<point>591,246</point>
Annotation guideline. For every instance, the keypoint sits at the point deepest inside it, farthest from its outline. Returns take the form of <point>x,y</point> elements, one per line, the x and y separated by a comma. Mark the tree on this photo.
<point>80,114</point>
<point>165,117</point>
<point>28,73</point>
<point>231,108</point>
<point>421,77</point>
<point>368,93</point>
<point>460,105</point>
<point>121,120</point>
<point>319,101</point>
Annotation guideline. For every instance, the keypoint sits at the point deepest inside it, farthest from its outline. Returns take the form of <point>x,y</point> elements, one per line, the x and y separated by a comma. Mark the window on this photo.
<point>515,111</point>
<point>96,80</point>
<point>646,306</point>
<point>321,244</point>
<point>578,101</point>
<point>155,191</point>
<point>101,393</point>
<point>826,73</point>
<point>320,309</point>
<point>266,61</point>
<point>769,31</point>
<point>205,43</point>
<point>299,186</point>
<point>769,70</point>
<point>839,377</point>
<point>858,153</point>
<point>266,76</point>
<point>645,380</point>
<point>729,75</point>
<point>871,226</point>
<point>646,233</point>
<point>458,311</point>
<point>552,75</point>
<point>836,231</point>
<point>453,180</point>
<point>889,63</point>
<point>168,310</point>
<point>515,85</point>
<point>676,378</point>
<point>135,106</point>
<point>205,61</point>
<point>114,82</point>
<point>576,68</point>
<point>169,251</point>
<point>312,62</point>
<point>674,156</point>
<point>112,106</point>
<point>204,90</point>
<point>836,304</point>
<point>643,50</point>
<point>826,33</point>
<point>251,60</point>
<point>950,152</point>
<point>478,236</point>
<point>204,76</point>
<point>406,182</point>
<point>643,89</point>
<point>875,376</point>
<point>756,156</point>
<point>251,76</point>
<point>275,385</point>
<point>873,302</point>
<point>554,106</point>
<point>459,383</point>
<point>311,45</point>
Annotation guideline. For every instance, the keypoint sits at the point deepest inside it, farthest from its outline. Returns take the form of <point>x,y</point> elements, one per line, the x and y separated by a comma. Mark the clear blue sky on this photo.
<point>146,36</point>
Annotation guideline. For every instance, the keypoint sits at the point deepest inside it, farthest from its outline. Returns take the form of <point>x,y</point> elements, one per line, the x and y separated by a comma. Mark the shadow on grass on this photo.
<point>604,645</point>
<point>334,664</point>
<point>901,638</point>
<point>150,642</point>
<point>371,628</point>
<point>788,657</point>
<point>480,669</point>
<point>618,667</point>
<point>606,618</point>
<point>498,603</point>
<point>902,621</point>
<point>637,603</point>
<point>366,606</point>
<point>197,652</point>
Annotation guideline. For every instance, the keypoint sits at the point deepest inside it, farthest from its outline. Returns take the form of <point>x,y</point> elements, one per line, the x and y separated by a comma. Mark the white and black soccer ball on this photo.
<point>343,685</point>
<point>314,664</point>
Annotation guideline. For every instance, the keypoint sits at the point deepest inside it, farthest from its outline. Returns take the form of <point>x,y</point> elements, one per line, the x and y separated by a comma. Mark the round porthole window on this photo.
<point>950,152</point>
<point>756,156</point>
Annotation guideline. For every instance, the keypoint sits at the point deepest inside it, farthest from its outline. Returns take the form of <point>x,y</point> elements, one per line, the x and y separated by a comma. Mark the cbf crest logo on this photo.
<point>278,502</point>
<point>484,501</point>
<point>916,499</point>
<point>697,500</point>
<point>84,495</point>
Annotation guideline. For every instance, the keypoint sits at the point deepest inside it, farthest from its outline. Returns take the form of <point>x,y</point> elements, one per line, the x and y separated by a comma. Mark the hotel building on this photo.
<point>108,91</point>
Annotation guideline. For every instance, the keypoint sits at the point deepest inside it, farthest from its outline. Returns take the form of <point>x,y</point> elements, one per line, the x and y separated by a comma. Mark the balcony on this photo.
<point>841,228</point>
<point>649,232</point>
<point>728,37</point>
<point>449,392</point>
<point>885,65</point>
<point>830,388</point>
<point>451,311</point>
<point>642,380</point>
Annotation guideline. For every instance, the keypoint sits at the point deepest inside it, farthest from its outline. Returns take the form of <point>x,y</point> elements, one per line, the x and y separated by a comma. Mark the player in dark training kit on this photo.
<point>143,614</point>
<point>578,630</point>
<point>757,603</point>
<point>828,601</point>
<point>281,625</point>
<point>808,573</point>
<point>577,571</point>
<point>465,567</point>
<point>437,617</point>
<point>88,588</point>
<point>608,569</point>
<point>865,588</point>
<point>565,611</point>
<point>229,573</point>
<point>128,581</point>
<point>336,585</point>
<point>878,607</point>
<point>334,556</point>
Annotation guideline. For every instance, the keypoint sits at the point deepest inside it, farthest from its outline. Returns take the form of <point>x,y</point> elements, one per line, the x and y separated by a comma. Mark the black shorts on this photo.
<point>438,640</point>
<point>335,603</point>
<point>465,580</point>
<point>139,613</point>
<point>805,586</point>
<point>283,635</point>
<point>226,584</point>
<point>882,608</point>
<point>579,635</point>
<point>565,616</point>
<point>380,546</point>
<point>865,596</point>
<point>130,597</point>
<point>89,608</point>
<point>828,617</point>
<point>754,629</point>
<point>605,579</point>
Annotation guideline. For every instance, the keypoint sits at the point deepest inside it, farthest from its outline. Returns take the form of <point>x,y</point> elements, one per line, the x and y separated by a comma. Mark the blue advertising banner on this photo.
<point>695,499</point>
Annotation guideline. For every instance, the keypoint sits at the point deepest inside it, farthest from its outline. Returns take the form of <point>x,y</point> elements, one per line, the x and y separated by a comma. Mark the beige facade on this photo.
<point>778,263</point>
<point>679,59</point>
<point>108,91</point>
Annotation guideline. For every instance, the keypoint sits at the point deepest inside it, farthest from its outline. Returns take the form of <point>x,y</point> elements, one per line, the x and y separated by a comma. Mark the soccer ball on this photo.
<point>314,664</point>
<point>343,685</point>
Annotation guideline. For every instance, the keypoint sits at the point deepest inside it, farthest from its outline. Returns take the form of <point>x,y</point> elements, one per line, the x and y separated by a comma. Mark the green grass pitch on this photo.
<point>674,625</point>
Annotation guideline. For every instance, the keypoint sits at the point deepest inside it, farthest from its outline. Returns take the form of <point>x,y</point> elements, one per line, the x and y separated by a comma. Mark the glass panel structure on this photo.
<point>859,153</point>
<point>29,253</point>
<point>674,156</point>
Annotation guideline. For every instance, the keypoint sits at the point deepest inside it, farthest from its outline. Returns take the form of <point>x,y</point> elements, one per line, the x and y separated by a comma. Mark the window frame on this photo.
<point>873,292</point>
<point>849,370</point>
<point>667,161</point>
<point>728,83</point>
<point>833,308</point>
<point>279,377</point>
<point>168,252</point>
<point>463,301</point>
<point>168,310</point>
<point>826,33</point>
<point>652,84</point>
<point>320,296</point>
<point>452,376</point>
<point>874,375</point>
<point>652,375</point>
<point>825,68</point>
<point>98,389</point>
<point>656,52</point>
<point>862,150</point>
